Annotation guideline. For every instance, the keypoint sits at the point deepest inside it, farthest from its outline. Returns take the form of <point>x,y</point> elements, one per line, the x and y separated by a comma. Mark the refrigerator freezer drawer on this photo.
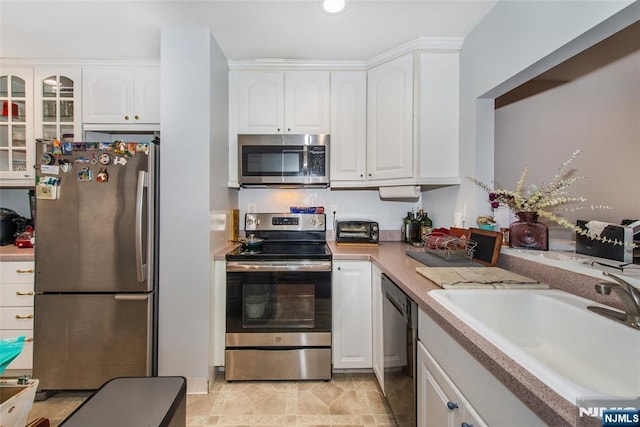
<point>83,340</point>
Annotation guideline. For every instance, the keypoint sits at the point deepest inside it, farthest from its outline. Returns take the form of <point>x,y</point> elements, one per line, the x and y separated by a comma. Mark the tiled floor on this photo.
<point>347,400</point>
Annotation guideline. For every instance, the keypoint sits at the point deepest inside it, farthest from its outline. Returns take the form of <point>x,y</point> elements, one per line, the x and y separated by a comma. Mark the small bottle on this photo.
<point>426,226</point>
<point>414,232</point>
<point>405,227</point>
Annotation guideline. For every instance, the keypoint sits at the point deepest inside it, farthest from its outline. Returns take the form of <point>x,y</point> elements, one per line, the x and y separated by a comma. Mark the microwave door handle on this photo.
<point>305,161</point>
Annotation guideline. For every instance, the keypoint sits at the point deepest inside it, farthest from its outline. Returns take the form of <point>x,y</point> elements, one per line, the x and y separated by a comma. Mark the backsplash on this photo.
<point>349,204</point>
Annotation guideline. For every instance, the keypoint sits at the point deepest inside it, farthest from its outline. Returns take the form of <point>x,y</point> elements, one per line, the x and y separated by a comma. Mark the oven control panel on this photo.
<point>285,221</point>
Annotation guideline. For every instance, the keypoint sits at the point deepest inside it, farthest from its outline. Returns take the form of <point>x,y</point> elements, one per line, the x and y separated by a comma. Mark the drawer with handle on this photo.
<point>17,272</point>
<point>16,317</point>
<point>16,295</point>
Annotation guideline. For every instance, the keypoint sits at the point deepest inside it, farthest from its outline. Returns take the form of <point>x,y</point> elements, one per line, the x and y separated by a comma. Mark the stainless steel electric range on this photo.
<point>278,304</point>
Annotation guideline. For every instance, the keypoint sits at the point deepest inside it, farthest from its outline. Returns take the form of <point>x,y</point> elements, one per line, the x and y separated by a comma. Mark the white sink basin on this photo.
<point>577,353</point>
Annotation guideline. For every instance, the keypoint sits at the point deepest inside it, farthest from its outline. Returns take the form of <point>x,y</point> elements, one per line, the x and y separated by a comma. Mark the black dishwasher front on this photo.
<point>400,317</point>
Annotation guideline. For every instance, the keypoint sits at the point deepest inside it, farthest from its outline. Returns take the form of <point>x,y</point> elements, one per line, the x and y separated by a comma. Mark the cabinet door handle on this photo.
<point>28,340</point>
<point>452,405</point>
<point>24,294</point>
<point>30,271</point>
<point>466,425</point>
<point>20,317</point>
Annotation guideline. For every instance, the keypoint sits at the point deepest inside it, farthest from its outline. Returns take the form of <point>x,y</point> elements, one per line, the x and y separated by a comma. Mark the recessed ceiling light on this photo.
<point>333,7</point>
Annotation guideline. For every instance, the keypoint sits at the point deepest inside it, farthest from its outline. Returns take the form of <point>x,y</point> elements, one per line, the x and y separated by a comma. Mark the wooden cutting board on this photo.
<point>478,278</point>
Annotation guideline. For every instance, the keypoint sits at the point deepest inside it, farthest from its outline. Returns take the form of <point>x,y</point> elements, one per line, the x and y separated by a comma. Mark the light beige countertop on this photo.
<point>13,253</point>
<point>390,257</point>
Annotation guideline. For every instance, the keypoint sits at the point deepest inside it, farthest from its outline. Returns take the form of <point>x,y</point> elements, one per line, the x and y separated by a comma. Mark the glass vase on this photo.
<point>528,233</point>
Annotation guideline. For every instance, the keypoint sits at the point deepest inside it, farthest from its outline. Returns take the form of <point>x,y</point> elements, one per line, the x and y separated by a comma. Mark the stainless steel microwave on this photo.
<point>283,160</point>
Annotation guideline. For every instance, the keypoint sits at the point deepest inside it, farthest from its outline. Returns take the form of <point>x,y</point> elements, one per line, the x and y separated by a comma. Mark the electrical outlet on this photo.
<point>251,208</point>
<point>334,208</point>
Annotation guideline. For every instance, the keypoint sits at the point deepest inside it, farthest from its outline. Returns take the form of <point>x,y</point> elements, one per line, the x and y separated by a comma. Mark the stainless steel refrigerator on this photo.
<point>96,289</point>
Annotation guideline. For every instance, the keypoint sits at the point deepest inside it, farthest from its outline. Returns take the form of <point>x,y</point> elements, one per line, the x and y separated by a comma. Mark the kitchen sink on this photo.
<point>551,333</point>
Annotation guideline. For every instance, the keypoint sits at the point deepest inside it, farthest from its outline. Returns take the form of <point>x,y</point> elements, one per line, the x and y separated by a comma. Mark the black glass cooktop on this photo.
<point>283,250</point>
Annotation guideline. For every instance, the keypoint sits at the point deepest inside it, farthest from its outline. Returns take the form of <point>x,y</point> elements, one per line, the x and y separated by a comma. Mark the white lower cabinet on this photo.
<point>16,310</point>
<point>440,402</point>
<point>455,390</point>
<point>351,296</point>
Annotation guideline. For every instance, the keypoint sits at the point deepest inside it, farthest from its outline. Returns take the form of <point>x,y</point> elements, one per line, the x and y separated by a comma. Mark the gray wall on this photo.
<point>516,41</point>
<point>597,113</point>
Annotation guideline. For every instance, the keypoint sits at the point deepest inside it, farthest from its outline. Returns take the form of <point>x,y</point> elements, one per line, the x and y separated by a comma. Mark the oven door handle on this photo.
<point>244,266</point>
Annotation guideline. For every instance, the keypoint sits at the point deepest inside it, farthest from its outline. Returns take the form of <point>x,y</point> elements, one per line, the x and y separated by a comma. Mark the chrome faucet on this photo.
<point>628,294</point>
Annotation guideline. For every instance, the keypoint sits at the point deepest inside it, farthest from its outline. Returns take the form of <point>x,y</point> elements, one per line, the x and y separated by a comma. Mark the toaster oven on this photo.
<point>357,232</point>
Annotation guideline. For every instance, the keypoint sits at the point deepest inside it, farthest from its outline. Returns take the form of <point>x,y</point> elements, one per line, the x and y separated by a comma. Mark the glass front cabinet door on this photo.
<point>57,104</point>
<point>16,127</point>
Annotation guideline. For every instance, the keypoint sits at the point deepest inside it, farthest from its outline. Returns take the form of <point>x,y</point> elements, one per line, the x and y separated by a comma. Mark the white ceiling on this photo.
<point>244,29</point>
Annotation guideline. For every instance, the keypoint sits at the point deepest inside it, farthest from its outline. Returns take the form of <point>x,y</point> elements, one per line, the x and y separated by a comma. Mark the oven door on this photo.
<point>278,302</point>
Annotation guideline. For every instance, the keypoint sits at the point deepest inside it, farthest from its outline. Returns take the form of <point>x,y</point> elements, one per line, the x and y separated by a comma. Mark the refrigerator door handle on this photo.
<point>140,261</point>
<point>131,297</point>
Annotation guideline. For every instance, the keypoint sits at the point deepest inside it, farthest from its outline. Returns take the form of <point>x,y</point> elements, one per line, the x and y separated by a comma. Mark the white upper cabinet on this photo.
<point>306,102</point>
<point>121,95</point>
<point>348,127</point>
<point>390,120</point>
<point>275,102</point>
<point>260,101</point>
<point>16,127</point>
<point>57,103</point>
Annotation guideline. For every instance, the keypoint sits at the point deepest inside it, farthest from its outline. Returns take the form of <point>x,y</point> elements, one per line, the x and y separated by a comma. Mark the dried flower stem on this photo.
<point>546,198</point>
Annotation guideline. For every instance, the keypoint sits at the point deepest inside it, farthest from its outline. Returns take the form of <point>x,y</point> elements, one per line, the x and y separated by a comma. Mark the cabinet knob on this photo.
<point>288,129</point>
<point>466,425</point>
<point>278,129</point>
<point>137,117</point>
<point>452,405</point>
<point>339,268</point>
<point>361,175</point>
<point>126,117</point>
<point>369,174</point>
